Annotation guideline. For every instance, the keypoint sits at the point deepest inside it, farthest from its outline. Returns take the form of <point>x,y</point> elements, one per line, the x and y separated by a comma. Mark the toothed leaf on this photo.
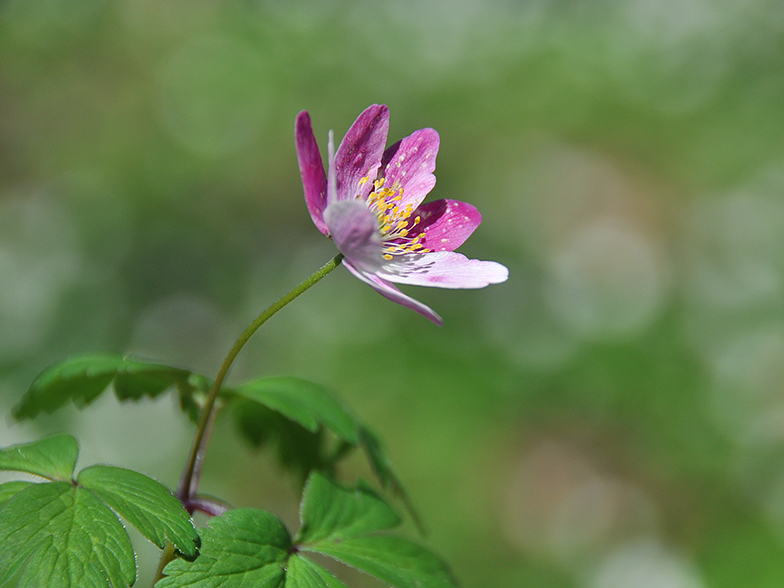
<point>241,548</point>
<point>303,402</point>
<point>57,534</point>
<point>82,379</point>
<point>331,512</point>
<point>145,503</point>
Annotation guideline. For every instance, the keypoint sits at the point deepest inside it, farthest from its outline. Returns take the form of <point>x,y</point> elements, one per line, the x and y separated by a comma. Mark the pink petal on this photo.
<point>332,186</point>
<point>354,229</point>
<point>411,163</point>
<point>314,181</point>
<point>389,291</point>
<point>360,151</point>
<point>446,224</point>
<point>443,269</point>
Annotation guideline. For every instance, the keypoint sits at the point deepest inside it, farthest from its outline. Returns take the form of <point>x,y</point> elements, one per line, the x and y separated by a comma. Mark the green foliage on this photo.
<point>252,547</point>
<point>304,573</point>
<point>308,409</point>
<point>11,489</point>
<point>144,503</point>
<point>82,379</point>
<point>342,524</point>
<point>53,457</point>
<point>392,560</point>
<point>61,535</point>
<point>298,450</point>
<point>243,547</point>
<point>303,402</point>
<point>67,533</point>
<point>332,513</point>
<point>291,412</point>
<point>382,467</point>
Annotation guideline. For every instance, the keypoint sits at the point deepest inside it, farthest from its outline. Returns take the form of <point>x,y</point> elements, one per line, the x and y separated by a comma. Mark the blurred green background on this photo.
<point>611,417</point>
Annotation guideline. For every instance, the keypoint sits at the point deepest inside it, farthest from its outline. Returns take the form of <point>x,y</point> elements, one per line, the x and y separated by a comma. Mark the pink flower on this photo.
<point>370,204</point>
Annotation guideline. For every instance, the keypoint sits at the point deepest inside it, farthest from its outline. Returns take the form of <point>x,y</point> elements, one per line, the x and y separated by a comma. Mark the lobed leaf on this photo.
<point>58,534</point>
<point>310,406</point>
<point>303,402</point>
<point>248,547</point>
<point>82,379</point>
<point>53,457</point>
<point>67,533</point>
<point>330,512</point>
<point>145,503</point>
<point>243,547</point>
<point>343,524</point>
<point>398,562</point>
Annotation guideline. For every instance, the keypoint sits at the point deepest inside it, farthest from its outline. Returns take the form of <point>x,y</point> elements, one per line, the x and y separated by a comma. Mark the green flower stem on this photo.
<point>209,403</point>
<point>189,480</point>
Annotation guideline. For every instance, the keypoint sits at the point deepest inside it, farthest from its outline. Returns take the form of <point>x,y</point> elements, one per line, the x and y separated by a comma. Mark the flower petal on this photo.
<point>314,181</point>
<point>446,224</point>
<point>389,291</point>
<point>411,163</point>
<point>443,269</point>
<point>360,151</point>
<point>332,186</point>
<point>355,231</point>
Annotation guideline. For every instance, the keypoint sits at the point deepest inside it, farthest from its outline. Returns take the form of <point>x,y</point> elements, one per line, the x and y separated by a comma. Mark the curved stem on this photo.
<point>189,480</point>
<point>185,490</point>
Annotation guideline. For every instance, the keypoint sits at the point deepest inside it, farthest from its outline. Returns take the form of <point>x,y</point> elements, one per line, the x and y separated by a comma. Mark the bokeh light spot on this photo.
<point>610,281</point>
<point>646,564</point>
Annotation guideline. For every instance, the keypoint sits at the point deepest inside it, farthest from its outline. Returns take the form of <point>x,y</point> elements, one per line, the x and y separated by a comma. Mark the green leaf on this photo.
<point>303,573</point>
<point>135,379</point>
<point>11,489</point>
<point>303,402</point>
<point>333,513</point>
<point>382,467</point>
<point>396,561</point>
<point>53,457</point>
<point>241,548</point>
<point>298,449</point>
<point>145,503</point>
<point>343,524</point>
<point>249,547</point>
<point>82,379</point>
<point>60,535</point>
<point>302,448</point>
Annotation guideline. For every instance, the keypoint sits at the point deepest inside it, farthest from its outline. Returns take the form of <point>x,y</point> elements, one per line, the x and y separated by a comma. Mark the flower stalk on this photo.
<point>189,480</point>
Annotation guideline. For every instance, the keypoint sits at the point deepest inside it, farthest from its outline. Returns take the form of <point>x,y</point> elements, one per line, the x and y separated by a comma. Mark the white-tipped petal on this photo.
<point>443,269</point>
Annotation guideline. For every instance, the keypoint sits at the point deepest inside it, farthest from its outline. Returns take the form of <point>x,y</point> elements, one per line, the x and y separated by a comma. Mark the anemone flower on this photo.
<point>370,203</point>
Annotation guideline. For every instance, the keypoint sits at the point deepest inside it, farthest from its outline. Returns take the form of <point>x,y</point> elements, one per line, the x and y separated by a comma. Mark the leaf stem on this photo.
<point>190,476</point>
<point>166,557</point>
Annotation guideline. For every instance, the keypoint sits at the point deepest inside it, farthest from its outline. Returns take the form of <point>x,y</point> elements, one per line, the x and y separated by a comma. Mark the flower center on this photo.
<point>394,221</point>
